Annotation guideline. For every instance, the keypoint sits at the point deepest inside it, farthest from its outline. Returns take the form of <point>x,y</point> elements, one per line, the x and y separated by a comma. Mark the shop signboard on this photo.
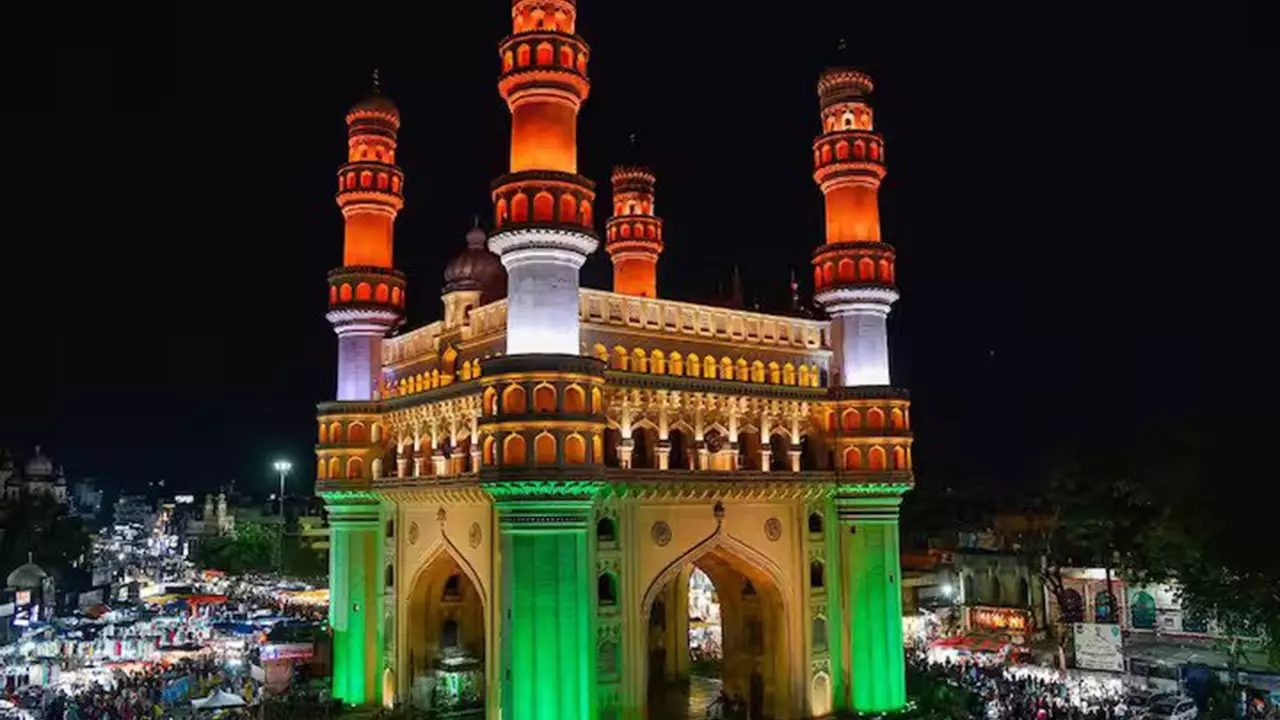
<point>1000,620</point>
<point>1099,647</point>
<point>288,651</point>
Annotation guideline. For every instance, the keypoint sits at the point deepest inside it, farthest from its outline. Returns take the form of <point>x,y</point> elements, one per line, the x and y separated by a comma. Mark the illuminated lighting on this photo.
<point>948,590</point>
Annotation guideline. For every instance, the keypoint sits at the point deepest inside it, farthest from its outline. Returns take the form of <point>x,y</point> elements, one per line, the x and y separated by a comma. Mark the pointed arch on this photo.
<point>575,401</point>
<point>775,374</point>
<point>803,376</point>
<point>726,368</point>
<point>513,400</point>
<point>788,374</point>
<point>335,471</point>
<point>543,207</point>
<point>852,458</point>
<point>513,450</point>
<point>850,420</point>
<point>321,469</point>
<point>867,269</point>
<point>757,372</point>
<point>639,361</point>
<point>355,468</point>
<point>875,419</point>
<point>597,400</point>
<point>742,371</point>
<point>722,541</point>
<point>876,458</point>
<point>601,352</point>
<point>676,364</point>
<point>488,453</point>
<point>544,398</point>
<point>621,361</point>
<point>489,405</point>
<point>709,367</point>
<point>575,450</point>
<point>897,421</point>
<point>693,368</point>
<point>899,458</point>
<point>544,449</point>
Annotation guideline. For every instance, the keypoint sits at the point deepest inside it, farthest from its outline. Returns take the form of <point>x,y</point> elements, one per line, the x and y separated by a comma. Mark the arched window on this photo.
<point>709,367</point>
<point>657,363</point>
<point>543,207</point>
<point>396,297</point>
<point>582,63</point>
<point>452,588</point>
<point>575,449</point>
<point>726,369</point>
<point>867,269</point>
<point>875,151</point>
<point>566,56</point>
<point>803,377</point>
<point>513,400</point>
<point>877,458</point>
<point>596,399</point>
<point>384,181</point>
<point>817,574</point>
<point>333,294</point>
<point>607,589</point>
<point>625,230</point>
<point>639,361</point>
<point>321,469</point>
<point>842,150</point>
<point>375,434</point>
<point>694,367</point>
<point>584,212</point>
<point>568,209</point>
<point>490,402</point>
<point>757,372</point>
<point>875,419</point>
<point>852,458</point>
<point>817,277</point>
<point>544,449</point>
<point>364,292</point>
<point>897,420</point>
<point>355,433</point>
<point>788,374</point>
<point>544,399</point>
<point>575,401</point>
<point>519,208</point>
<point>602,352</point>
<point>500,212</point>
<point>324,434</point>
<point>606,531</point>
<point>845,270</point>
<point>508,61</point>
<point>826,154</point>
<point>819,633</point>
<point>488,453</point>
<point>355,468</point>
<point>383,293</point>
<point>522,55</point>
<point>815,523</point>
<point>334,471</point>
<point>546,54</point>
<point>513,450</point>
<point>828,273</point>
<point>899,458</point>
<point>859,149</point>
<point>775,374</point>
<point>884,272</point>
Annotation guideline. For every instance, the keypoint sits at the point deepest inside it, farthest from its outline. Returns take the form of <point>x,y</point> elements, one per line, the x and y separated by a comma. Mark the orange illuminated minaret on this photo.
<point>633,236</point>
<point>543,208</point>
<point>366,294</point>
<point>853,272</point>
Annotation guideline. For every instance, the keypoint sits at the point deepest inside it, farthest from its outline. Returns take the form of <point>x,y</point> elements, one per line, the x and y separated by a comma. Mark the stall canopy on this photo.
<point>96,611</point>
<point>220,699</point>
<point>970,643</point>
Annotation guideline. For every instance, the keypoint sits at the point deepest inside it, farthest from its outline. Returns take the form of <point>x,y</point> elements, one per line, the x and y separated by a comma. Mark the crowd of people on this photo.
<point>1028,692</point>
<point>138,695</point>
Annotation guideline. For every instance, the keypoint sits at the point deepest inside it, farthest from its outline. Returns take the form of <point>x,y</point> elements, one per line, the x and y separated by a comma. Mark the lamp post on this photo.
<point>283,467</point>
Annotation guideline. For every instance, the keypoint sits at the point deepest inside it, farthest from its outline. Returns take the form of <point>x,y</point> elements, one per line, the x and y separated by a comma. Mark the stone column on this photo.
<point>871,555</point>
<point>548,647</point>
<point>355,581</point>
<point>766,443</point>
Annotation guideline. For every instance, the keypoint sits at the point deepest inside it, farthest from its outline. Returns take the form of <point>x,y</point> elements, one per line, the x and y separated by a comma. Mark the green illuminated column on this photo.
<point>875,602</point>
<point>548,645</point>
<point>836,626</point>
<point>355,615</point>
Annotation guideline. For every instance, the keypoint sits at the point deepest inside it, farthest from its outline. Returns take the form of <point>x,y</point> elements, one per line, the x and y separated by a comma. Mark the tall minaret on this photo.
<point>543,207</point>
<point>366,294</point>
<point>853,271</point>
<point>633,236</point>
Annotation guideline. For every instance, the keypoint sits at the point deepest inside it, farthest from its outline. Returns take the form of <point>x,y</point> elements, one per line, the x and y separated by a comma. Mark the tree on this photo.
<point>250,549</point>
<point>38,527</point>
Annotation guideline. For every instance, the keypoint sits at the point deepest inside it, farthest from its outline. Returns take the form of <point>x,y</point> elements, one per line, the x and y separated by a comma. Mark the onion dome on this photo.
<point>476,269</point>
<point>373,108</point>
<point>39,466</point>
<point>28,576</point>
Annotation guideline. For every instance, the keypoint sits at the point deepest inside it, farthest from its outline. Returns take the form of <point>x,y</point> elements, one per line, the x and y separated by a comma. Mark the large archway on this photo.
<point>718,625</point>
<point>446,642</point>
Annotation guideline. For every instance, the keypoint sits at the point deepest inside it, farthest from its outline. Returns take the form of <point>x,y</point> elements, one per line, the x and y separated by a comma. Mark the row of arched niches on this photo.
<point>634,228</point>
<point>371,177</point>
<point>853,263</point>
<point>355,286</point>
<point>846,146</point>
<point>544,50</point>
<point>543,197</point>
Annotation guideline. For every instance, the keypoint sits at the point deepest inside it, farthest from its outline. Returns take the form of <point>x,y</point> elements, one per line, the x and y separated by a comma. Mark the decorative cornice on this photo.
<point>626,379</point>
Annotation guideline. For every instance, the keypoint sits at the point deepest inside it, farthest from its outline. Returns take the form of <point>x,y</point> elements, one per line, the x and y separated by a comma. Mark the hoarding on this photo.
<point>1099,647</point>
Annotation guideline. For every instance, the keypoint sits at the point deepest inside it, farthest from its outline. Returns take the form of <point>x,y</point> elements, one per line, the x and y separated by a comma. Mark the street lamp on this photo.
<point>283,467</point>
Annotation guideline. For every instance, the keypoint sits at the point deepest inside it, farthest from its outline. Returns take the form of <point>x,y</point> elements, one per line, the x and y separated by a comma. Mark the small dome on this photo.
<point>27,577</point>
<point>377,102</point>
<point>476,269</point>
<point>39,466</point>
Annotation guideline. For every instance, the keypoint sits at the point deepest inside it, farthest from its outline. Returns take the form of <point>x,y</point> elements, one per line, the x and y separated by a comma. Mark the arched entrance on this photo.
<point>445,641</point>
<point>717,625</point>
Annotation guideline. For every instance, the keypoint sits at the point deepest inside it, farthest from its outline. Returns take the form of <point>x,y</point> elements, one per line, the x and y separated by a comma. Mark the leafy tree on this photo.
<point>250,549</point>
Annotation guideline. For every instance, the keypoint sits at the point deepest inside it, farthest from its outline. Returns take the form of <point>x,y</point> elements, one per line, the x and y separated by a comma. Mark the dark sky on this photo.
<point>1086,224</point>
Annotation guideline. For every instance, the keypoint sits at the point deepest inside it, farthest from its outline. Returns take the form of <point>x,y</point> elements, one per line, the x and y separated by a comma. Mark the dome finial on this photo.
<point>475,222</point>
<point>842,46</point>
<point>377,85</point>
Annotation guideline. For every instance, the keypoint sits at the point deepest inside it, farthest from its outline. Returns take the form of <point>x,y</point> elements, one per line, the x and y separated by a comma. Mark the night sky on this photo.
<point>1086,236</point>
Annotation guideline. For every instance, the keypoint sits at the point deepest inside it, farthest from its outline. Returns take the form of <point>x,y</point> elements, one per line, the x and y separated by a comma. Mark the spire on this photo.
<point>377,85</point>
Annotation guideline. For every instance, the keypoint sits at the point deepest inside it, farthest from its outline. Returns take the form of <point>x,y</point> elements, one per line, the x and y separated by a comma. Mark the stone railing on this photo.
<point>680,319</point>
